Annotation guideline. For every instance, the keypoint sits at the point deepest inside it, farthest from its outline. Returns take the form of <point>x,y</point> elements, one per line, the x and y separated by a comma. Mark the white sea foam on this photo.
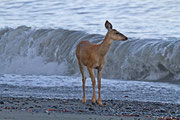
<point>69,87</point>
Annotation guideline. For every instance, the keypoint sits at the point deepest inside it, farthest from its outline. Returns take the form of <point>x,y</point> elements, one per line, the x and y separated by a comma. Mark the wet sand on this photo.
<point>62,116</point>
<point>12,108</point>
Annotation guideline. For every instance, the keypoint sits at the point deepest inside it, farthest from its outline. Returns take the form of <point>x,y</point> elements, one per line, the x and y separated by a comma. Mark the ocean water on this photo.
<point>38,41</point>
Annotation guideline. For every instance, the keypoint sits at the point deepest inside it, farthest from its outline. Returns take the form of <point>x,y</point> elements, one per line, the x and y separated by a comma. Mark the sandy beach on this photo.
<point>12,108</point>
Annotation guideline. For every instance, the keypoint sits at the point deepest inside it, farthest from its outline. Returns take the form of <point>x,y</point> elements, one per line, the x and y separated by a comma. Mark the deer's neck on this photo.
<point>105,45</point>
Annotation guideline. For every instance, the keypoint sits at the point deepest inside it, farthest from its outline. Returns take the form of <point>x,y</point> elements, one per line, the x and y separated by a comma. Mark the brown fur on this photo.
<point>93,57</point>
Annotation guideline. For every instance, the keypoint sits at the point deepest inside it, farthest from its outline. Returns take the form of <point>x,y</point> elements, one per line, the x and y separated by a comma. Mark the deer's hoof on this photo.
<point>100,103</point>
<point>94,100</point>
<point>84,100</point>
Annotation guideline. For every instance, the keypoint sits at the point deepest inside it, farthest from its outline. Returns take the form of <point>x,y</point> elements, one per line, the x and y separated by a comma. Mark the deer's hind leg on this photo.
<point>94,98</point>
<point>81,66</point>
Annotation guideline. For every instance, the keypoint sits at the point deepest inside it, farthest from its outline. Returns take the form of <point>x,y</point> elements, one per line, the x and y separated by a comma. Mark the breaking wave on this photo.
<point>25,50</point>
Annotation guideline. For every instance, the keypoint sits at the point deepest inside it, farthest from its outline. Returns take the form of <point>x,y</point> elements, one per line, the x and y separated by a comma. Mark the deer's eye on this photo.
<point>117,33</point>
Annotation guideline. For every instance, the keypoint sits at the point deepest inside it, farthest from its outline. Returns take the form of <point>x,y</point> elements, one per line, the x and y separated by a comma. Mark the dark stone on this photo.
<point>162,110</point>
<point>173,112</point>
<point>54,107</point>
<point>91,109</point>
<point>5,89</point>
<point>93,103</point>
<point>128,107</point>
<point>1,102</point>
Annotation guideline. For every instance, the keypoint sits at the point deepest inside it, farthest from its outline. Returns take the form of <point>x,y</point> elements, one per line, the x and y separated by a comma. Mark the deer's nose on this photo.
<point>126,38</point>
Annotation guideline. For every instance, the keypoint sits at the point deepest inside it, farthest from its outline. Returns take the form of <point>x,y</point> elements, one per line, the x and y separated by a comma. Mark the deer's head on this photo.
<point>113,33</point>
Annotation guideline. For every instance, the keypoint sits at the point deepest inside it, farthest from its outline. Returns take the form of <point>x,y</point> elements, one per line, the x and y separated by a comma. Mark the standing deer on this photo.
<point>93,57</point>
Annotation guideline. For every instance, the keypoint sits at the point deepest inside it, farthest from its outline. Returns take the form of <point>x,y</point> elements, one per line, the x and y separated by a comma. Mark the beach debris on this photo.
<point>66,110</point>
<point>167,118</point>
<point>49,110</point>
<point>133,115</point>
<point>8,108</point>
<point>148,116</point>
<point>30,110</point>
<point>80,111</point>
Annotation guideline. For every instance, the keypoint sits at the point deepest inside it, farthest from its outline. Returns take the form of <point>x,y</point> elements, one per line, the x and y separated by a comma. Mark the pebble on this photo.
<point>80,111</point>
<point>111,107</point>
<point>91,109</point>
<point>161,110</point>
<point>128,107</point>
<point>54,107</point>
<point>5,89</point>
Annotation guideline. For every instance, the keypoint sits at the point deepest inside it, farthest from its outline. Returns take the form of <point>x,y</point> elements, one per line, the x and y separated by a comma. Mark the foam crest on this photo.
<point>25,50</point>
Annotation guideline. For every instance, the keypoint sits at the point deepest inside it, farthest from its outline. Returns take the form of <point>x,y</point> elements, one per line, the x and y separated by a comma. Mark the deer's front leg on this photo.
<point>99,87</point>
<point>94,98</point>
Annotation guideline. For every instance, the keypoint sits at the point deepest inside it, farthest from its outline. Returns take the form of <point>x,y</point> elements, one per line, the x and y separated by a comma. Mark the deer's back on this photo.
<point>86,53</point>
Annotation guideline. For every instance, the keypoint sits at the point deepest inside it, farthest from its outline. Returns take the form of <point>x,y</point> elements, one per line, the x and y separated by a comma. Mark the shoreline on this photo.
<point>34,107</point>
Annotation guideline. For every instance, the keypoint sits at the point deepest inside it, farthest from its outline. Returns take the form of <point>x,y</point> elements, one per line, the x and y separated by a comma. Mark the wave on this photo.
<point>25,50</point>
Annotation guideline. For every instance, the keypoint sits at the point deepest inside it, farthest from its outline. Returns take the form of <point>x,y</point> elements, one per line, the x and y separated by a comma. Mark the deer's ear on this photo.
<point>108,25</point>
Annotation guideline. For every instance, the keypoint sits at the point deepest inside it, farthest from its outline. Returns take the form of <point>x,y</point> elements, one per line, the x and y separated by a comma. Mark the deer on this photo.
<point>92,56</point>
